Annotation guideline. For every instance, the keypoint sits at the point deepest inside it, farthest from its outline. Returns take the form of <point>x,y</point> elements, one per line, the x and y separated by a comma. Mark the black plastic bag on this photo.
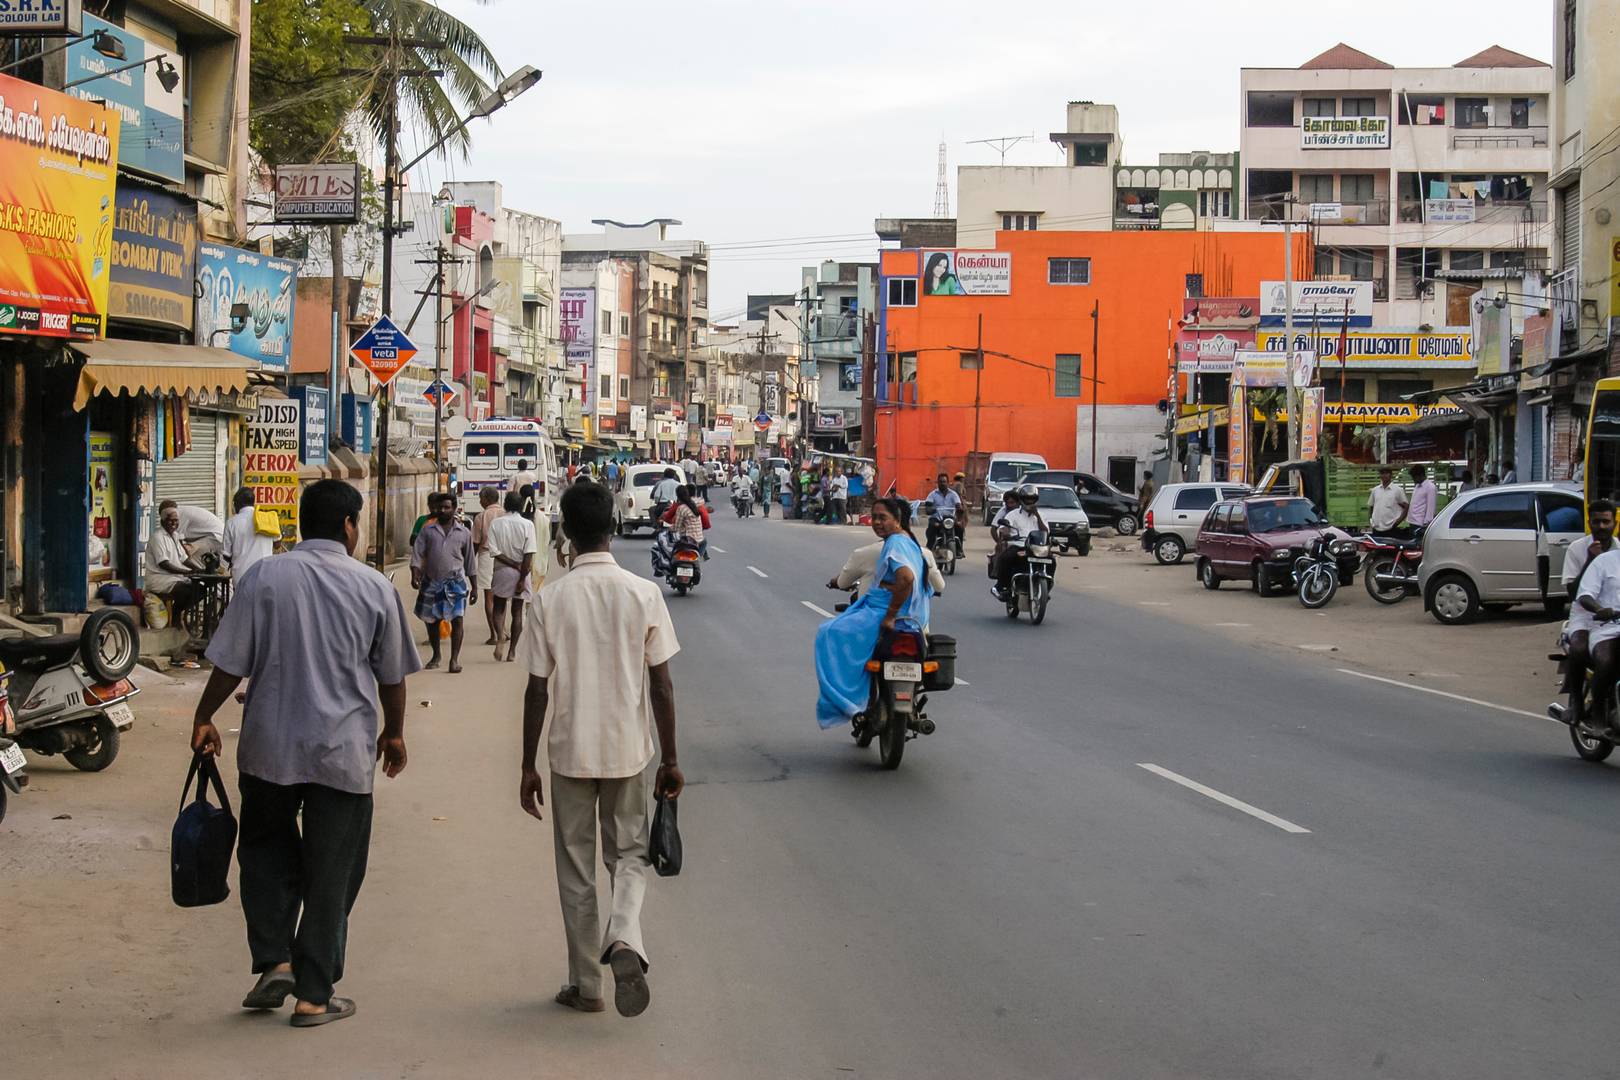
<point>203,841</point>
<point>664,849</point>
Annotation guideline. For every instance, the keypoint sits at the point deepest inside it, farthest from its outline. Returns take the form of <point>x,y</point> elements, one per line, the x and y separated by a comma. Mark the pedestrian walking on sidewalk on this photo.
<point>324,639</point>
<point>444,568</point>
<point>489,499</point>
<point>603,703</point>
<point>838,497</point>
<point>513,547</point>
<point>244,545</point>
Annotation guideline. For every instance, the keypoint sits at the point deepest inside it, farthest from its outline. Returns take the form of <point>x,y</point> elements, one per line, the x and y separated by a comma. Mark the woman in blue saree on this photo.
<point>897,600</point>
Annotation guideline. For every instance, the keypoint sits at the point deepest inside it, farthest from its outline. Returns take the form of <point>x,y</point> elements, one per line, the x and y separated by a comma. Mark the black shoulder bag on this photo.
<point>204,838</point>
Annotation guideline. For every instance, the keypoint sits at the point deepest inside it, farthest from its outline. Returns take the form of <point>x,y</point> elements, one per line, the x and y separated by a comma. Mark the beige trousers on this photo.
<point>622,809</point>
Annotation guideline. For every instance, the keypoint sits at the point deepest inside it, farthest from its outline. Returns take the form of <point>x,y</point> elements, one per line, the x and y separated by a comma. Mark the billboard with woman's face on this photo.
<point>967,273</point>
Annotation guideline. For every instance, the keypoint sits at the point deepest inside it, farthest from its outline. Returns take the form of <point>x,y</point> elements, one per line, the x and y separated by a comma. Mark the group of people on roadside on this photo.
<point>192,540</point>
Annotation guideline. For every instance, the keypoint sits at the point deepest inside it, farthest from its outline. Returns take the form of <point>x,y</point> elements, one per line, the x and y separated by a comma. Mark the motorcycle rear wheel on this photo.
<point>98,757</point>
<point>1588,747</point>
<point>1383,565</point>
<point>1037,602</point>
<point>891,735</point>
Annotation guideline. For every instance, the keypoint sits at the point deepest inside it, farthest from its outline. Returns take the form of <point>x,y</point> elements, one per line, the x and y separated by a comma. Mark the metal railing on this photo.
<point>1498,137</point>
<point>663,305</point>
<point>1564,288</point>
<point>840,326</point>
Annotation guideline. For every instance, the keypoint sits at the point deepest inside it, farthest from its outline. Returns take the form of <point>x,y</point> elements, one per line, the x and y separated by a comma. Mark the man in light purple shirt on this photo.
<point>323,638</point>
<point>1420,510</point>
<point>444,566</point>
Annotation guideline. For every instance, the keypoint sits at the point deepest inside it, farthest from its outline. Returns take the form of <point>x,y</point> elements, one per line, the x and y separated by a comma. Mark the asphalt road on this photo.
<point>1056,883</point>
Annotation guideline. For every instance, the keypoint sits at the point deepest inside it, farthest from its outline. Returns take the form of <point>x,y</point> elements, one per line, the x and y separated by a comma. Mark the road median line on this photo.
<point>1447,694</point>
<point>758,572</point>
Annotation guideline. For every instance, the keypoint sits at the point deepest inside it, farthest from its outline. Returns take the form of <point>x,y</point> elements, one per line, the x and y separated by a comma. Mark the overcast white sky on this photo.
<point>754,122</point>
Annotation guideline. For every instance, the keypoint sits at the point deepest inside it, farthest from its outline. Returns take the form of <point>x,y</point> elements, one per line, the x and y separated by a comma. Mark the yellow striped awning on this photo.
<point>117,367</point>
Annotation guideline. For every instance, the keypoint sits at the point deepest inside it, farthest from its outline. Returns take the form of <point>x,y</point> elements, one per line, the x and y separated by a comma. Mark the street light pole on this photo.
<point>384,394</point>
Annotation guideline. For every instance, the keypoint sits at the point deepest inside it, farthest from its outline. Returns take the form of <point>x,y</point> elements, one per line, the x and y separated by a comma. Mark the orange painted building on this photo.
<point>1034,390</point>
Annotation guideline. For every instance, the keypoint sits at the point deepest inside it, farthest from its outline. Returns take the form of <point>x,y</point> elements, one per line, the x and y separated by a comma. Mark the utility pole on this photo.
<point>1290,395</point>
<point>340,322</point>
<point>978,385</point>
<point>385,397</point>
<point>1096,380</point>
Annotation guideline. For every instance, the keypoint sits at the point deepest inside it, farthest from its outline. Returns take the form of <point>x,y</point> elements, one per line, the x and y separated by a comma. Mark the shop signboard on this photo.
<point>1322,300</point>
<point>103,500</point>
<point>270,460</point>
<point>576,326</point>
<point>384,350</point>
<point>638,421</point>
<point>1395,347</point>
<point>1326,212</point>
<point>967,273</point>
<point>315,427</point>
<point>1237,436</point>
<point>154,258</point>
<point>1211,352</point>
<point>58,166</point>
<point>1253,368</point>
<point>227,276</point>
<point>1344,133</point>
<point>327,194</point>
<point>1310,432</point>
<point>829,420</point>
<point>154,124</point>
<point>1220,312</point>
<point>56,18</point>
<point>1448,211</point>
<point>1534,350</point>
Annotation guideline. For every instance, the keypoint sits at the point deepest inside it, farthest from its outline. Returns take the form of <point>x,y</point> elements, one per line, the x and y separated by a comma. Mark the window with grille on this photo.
<point>1068,271</point>
<point>1067,381</point>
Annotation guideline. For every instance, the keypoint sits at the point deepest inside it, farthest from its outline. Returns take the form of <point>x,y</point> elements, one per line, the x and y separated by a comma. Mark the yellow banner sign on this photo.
<point>1351,412</point>
<point>1375,348</point>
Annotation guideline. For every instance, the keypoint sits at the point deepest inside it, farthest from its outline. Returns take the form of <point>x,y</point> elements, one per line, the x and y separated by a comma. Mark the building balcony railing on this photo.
<point>1486,212</point>
<point>663,305</point>
<point>1494,138</point>
<point>1372,212</point>
<point>839,327</point>
<point>1128,222</point>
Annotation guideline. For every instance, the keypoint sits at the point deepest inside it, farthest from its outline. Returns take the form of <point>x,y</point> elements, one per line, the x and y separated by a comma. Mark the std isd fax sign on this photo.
<point>1344,133</point>
<point>384,350</point>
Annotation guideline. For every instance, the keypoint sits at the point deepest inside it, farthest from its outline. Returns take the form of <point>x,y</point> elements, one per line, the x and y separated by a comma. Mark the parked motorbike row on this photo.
<point>67,694</point>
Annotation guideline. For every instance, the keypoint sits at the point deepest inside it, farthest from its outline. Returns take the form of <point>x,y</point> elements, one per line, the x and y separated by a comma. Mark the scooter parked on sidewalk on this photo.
<point>70,692</point>
<point>13,766</point>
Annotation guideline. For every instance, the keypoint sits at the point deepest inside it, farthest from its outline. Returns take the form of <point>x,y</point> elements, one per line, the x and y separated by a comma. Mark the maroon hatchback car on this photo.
<point>1257,540</point>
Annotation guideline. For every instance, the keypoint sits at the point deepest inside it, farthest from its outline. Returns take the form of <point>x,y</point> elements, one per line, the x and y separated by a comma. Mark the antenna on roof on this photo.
<point>1003,144</point>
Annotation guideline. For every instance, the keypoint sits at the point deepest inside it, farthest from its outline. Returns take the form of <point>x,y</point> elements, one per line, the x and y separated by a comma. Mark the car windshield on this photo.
<point>1005,472</point>
<point>1274,515</point>
<point>1056,498</point>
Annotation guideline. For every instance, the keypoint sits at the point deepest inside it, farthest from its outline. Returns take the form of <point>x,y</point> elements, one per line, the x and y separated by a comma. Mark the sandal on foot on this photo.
<point>571,997</point>
<point>630,993</point>
<point>270,992</point>
<point>336,1009</point>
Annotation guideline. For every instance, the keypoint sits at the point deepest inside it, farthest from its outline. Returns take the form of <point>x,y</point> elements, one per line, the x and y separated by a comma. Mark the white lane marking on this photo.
<point>717,550</point>
<point>1447,694</point>
<point>1237,804</point>
<point>823,612</point>
<point>1154,603</point>
<point>758,571</point>
<point>1320,648</point>
<point>1231,624</point>
<point>962,682</point>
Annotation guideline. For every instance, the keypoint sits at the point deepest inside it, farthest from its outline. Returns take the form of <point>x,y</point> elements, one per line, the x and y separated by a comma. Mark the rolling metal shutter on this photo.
<point>1569,227</point>
<point>189,478</point>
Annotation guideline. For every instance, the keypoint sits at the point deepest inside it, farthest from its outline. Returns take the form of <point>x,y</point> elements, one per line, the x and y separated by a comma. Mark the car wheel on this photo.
<point>1207,574</point>
<point>1126,525</point>
<point>1262,580</point>
<point>1085,549</point>
<point>1169,549</point>
<point>1454,600</point>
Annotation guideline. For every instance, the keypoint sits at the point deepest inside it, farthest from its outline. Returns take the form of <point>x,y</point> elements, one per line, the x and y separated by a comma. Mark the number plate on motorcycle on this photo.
<point>683,572</point>
<point>122,716</point>
<point>12,760</point>
<point>897,671</point>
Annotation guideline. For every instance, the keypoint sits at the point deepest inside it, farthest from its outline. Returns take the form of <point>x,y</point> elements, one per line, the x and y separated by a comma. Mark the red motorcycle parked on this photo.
<point>1391,563</point>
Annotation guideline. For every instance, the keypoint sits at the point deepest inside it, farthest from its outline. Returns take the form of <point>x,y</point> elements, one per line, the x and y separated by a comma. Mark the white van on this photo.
<point>491,451</point>
<point>633,504</point>
<point>1006,471</point>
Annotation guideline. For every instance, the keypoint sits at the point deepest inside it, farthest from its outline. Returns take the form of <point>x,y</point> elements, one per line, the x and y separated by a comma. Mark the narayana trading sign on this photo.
<point>1392,348</point>
<point>154,117</point>
<point>227,276</point>
<point>327,193</point>
<point>1344,133</point>
<point>1325,300</point>
<point>58,165</point>
<point>967,273</point>
<point>18,17</point>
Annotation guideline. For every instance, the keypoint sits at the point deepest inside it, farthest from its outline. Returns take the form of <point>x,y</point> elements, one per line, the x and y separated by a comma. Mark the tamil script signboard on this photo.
<point>1344,133</point>
<point>154,257</point>
<point>967,273</point>
<point>58,163</point>
<point>328,193</point>
<point>1438,211</point>
<point>270,460</point>
<point>228,276</point>
<point>384,350</point>
<point>1393,348</point>
<point>1323,300</point>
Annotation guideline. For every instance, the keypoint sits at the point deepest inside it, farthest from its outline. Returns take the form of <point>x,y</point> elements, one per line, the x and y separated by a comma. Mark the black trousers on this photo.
<point>320,869</point>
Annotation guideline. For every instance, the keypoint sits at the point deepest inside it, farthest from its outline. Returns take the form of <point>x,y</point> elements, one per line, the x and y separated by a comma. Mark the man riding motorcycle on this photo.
<point>1015,523</point>
<point>940,503</point>
<point>1582,620</point>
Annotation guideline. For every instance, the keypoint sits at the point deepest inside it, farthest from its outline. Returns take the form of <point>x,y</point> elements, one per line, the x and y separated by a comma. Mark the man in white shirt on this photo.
<point>1015,523</point>
<point>602,703</point>
<point>244,545</point>
<point>1599,594</point>
<point>524,475</point>
<point>512,546</point>
<point>838,495</point>
<point>1420,510</point>
<point>1386,503</point>
<point>167,566</point>
<point>663,493</point>
<point>1578,628</point>
<point>202,531</point>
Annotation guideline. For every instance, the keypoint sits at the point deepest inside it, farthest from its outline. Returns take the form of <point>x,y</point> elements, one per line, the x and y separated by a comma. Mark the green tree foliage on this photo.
<point>299,102</point>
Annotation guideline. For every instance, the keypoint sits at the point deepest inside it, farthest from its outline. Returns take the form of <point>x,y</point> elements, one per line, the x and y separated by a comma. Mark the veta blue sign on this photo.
<point>228,276</point>
<point>153,137</point>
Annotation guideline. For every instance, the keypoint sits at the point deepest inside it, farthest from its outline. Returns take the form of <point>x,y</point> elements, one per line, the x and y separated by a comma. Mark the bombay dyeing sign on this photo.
<point>154,264</point>
<point>967,273</point>
<point>1344,133</point>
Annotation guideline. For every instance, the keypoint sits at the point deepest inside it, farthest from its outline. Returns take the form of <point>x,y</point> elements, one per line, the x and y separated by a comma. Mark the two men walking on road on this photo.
<point>602,702</point>
<point>323,639</point>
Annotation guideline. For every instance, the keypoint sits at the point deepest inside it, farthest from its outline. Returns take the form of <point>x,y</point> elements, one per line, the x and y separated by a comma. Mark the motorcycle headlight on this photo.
<point>1343,547</point>
<point>1039,551</point>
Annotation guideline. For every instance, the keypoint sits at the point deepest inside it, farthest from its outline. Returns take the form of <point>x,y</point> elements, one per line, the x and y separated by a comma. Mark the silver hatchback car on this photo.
<point>1498,546</point>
